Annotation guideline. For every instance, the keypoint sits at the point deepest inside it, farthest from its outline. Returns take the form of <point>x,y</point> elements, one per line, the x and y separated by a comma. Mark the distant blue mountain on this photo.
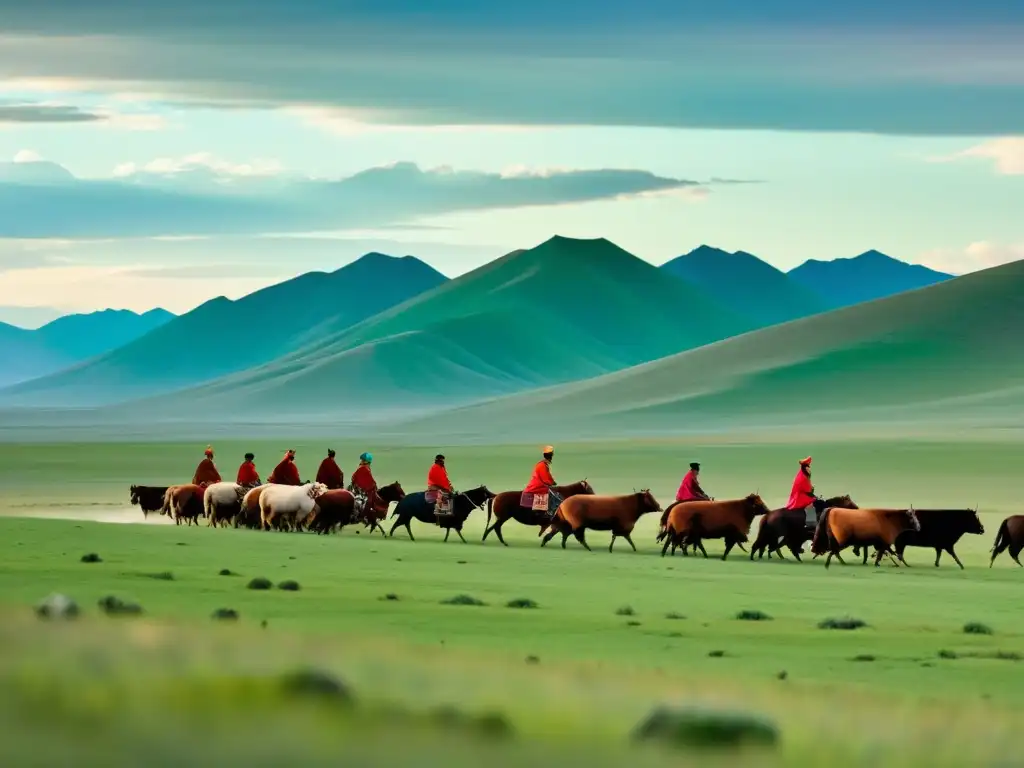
<point>746,284</point>
<point>869,276</point>
<point>69,340</point>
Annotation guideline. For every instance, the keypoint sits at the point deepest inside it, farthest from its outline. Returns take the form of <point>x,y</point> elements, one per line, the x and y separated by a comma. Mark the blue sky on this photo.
<point>166,155</point>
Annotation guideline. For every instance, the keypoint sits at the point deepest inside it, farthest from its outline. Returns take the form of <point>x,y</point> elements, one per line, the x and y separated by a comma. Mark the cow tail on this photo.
<point>1002,537</point>
<point>819,542</point>
<point>207,504</point>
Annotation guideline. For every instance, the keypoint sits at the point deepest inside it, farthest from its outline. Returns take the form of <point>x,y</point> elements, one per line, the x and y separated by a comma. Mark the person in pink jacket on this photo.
<point>690,489</point>
<point>802,495</point>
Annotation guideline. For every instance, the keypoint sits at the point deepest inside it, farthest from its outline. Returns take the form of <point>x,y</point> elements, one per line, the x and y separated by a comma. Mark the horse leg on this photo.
<point>408,527</point>
<point>665,546</point>
<point>629,538</point>
<point>398,522</point>
<point>612,543</point>
<point>1015,554</point>
<point>551,534</point>
<point>938,554</point>
<point>497,531</point>
<point>447,533</point>
<point>581,537</point>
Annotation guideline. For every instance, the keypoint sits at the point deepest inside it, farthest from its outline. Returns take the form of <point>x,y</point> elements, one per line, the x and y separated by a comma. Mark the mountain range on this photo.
<point>567,327</point>
<point>68,340</point>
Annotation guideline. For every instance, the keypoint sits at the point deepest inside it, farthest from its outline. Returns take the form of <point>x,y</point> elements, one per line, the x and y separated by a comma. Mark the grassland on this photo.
<point>570,677</point>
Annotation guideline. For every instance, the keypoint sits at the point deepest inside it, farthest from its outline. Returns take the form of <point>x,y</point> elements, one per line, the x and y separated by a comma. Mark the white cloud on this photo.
<point>171,166</point>
<point>1006,154</point>
<point>27,156</point>
<point>131,121</point>
<point>979,255</point>
<point>341,121</point>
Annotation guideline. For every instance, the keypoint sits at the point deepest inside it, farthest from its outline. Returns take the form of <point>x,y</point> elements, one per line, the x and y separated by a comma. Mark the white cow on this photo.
<point>288,506</point>
<point>222,502</point>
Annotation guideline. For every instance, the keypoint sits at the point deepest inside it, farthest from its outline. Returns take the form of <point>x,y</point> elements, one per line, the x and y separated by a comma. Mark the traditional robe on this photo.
<point>285,473</point>
<point>247,474</point>
<point>802,495</point>
<point>362,479</point>
<point>206,473</point>
<point>542,480</point>
<point>437,478</point>
<point>330,474</point>
<point>690,489</point>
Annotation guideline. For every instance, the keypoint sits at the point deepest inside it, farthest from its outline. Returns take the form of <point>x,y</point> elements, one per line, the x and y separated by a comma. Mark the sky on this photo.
<point>161,156</point>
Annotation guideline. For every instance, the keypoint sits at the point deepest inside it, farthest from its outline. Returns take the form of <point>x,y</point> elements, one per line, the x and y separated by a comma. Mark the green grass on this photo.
<point>593,679</point>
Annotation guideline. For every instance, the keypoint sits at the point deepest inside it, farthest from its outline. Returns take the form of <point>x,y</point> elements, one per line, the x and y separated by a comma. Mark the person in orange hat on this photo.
<point>286,473</point>
<point>802,495</point>
<point>206,473</point>
<point>540,485</point>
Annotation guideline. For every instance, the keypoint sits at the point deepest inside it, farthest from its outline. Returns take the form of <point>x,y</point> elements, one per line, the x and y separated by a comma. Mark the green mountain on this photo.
<point>223,336</point>
<point>567,309</point>
<point>869,276</point>
<point>943,355</point>
<point>28,354</point>
<point>755,288</point>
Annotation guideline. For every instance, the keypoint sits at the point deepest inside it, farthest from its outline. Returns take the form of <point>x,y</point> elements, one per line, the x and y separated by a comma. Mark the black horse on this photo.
<point>415,506</point>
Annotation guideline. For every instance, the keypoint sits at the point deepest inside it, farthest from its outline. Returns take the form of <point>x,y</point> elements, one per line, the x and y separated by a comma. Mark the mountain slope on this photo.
<point>28,354</point>
<point>936,355</point>
<point>223,336</point>
<point>564,310</point>
<point>753,287</point>
<point>871,275</point>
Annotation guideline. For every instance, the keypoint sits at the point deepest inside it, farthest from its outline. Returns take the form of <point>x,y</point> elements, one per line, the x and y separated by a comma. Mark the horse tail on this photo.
<point>820,538</point>
<point>207,504</point>
<point>1002,538</point>
<point>165,508</point>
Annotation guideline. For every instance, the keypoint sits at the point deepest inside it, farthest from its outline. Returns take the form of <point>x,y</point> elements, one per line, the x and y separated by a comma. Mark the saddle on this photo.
<point>442,503</point>
<point>540,502</point>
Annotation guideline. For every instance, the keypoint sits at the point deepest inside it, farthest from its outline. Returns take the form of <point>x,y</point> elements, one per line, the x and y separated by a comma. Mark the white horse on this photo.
<point>222,502</point>
<point>288,506</point>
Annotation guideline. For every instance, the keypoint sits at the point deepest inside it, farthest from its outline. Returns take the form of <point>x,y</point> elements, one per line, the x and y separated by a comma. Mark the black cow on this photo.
<point>149,497</point>
<point>940,530</point>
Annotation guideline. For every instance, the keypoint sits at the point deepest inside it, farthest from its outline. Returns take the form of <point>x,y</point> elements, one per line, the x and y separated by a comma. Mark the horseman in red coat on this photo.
<point>248,477</point>
<point>286,473</point>
<point>538,492</point>
<point>206,473</point>
<point>363,486</point>
<point>439,486</point>
<point>802,495</point>
<point>330,473</point>
<point>690,489</point>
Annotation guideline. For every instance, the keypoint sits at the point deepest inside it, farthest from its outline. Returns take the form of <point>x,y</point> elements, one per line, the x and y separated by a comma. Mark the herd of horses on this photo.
<point>838,523</point>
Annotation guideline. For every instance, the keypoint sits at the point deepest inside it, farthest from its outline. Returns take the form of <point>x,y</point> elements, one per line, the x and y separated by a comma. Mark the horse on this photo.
<point>149,497</point>
<point>788,527</point>
<point>377,513</point>
<point>415,506</point>
<point>506,506</point>
<point>289,504</point>
<point>692,522</point>
<point>337,508</point>
<point>839,528</point>
<point>184,502</point>
<point>1010,536</point>
<point>617,514</point>
<point>222,502</point>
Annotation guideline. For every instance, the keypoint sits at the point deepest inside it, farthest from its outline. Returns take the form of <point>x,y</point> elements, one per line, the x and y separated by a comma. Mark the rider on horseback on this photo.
<point>439,485</point>
<point>248,477</point>
<point>362,486</point>
<point>206,473</point>
<point>541,484</point>
<point>689,489</point>
<point>802,496</point>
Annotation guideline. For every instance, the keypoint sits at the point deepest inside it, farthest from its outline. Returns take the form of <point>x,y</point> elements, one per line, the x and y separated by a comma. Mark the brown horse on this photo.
<point>694,521</point>
<point>618,514</point>
<point>506,506</point>
<point>1010,536</point>
<point>840,528</point>
<point>788,527</point>
<point>184,502</point>
<point>337,508</point>
<point>250,514</point>
<point>377,512</point>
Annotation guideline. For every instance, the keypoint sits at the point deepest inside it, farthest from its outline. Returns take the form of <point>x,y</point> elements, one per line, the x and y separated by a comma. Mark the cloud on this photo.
<point>17,112</point>
<point>1007,154</point>
<point>979,255</point>
<point>199,161</point>
<point>905,66</point>
<point>27,156</point>
<point>201,195</point>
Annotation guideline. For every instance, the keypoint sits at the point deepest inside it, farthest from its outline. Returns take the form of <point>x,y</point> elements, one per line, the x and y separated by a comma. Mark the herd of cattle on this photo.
<point>839,523</point>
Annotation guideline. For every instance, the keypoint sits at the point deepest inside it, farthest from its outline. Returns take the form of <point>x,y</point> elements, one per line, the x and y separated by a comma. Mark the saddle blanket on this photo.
<point>538,502</point>
<point>430,497</point>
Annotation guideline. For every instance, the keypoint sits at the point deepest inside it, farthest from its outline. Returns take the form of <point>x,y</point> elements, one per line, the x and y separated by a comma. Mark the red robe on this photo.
<point>802,495</point>
<point>541,480</point>
<point>206,473</point>
<point>247,474</point>
<point>437,477</point>
<point>689,490</point>
<point>285,473</point>
<point>330,474</point>
<point>362,478</point>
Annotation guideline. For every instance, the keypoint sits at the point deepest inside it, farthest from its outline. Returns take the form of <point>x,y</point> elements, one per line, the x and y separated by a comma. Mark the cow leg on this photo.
<point>629,538</point>
<point>697,543</point>
<point>952,553</point>
<point>581,537</point>
<point>938,554</point>
<point>612,543</point>
<point>729,544</point>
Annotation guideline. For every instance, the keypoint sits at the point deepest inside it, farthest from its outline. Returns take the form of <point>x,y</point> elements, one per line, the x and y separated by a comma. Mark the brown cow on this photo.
<point>506,506</point>
<point>617,514</point>
<point>184,502</point>
<point>693,521</point>
<point>788,527</point>
<point>1010,536</point>
<point>839,528</point>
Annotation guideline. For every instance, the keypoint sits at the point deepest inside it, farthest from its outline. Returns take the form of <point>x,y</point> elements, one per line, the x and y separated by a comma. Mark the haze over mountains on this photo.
<point>28,354</point>
<point>571,332</point>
